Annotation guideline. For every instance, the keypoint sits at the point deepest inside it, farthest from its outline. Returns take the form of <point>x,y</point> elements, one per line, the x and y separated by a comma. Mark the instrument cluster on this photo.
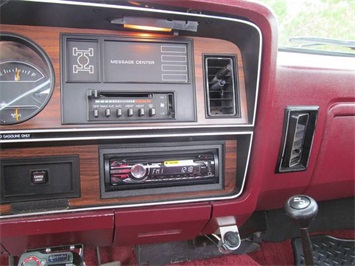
<point>26,79</point>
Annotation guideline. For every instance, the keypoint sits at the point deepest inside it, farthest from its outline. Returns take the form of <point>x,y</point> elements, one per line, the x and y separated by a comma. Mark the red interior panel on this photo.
<point>91,229</point>
<point>160,224</point>
<point>305,79</point>
<point>334,175</point>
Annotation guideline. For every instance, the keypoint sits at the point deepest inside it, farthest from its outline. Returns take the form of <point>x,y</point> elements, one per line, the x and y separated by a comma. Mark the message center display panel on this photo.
<point>115,80</point>
<point>145,62</point>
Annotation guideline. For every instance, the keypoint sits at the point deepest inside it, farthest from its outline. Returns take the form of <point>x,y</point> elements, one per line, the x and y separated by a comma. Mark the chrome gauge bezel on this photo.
<point>46,67</point>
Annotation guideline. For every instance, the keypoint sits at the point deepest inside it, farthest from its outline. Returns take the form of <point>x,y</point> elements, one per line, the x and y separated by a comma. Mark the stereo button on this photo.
<point>130,112</point>
<point>141,112</point>
<point>138,171</point>
<point>152,112</point>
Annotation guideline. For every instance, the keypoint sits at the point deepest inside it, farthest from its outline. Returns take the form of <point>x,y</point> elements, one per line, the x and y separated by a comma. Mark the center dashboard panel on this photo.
<point>150,118</point>
<point>115,80</point>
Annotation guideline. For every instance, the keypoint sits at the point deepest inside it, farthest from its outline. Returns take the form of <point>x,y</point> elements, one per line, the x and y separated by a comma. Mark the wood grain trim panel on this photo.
<point>49,39</point>
<point>90,180</point>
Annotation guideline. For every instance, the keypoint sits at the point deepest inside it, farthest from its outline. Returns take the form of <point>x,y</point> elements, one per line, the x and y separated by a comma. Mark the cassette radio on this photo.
<point>165,169</point>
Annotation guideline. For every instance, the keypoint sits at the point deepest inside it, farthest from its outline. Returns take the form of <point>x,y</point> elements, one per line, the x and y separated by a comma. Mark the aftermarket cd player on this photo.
<point>159,169</point>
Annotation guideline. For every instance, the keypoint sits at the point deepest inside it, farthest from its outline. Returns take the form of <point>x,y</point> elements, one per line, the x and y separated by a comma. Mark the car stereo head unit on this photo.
<point>162,169</point>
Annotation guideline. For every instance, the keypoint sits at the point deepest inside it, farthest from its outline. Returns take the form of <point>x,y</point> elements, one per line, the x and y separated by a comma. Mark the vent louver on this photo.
<point>299,127</point>
<point>301,121</point>
<point>220,86</point>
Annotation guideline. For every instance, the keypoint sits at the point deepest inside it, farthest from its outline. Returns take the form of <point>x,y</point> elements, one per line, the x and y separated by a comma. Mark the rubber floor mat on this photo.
<point>327,250</point>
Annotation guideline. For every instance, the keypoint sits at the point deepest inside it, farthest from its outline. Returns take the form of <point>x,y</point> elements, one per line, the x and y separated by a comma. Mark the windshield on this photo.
<point>320,25</point>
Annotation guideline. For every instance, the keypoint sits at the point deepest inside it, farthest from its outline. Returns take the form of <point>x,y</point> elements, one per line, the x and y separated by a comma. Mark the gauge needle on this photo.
<point>16,114</point>
<point>17,77</point>
<point>40,86</point>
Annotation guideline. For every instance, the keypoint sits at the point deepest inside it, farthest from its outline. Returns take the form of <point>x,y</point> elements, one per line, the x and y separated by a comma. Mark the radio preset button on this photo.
<point>138,171</point>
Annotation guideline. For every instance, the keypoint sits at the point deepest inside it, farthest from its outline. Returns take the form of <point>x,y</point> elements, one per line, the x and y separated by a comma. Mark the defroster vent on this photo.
<point>221,94</point>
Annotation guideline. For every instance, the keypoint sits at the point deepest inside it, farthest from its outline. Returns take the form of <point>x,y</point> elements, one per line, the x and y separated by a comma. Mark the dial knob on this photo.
<point>31,261</point>
<point>138,171</point>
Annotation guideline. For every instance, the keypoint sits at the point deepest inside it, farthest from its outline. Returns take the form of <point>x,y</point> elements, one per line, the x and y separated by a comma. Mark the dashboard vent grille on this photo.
<point>220,86</point>
<point>299,127</point>
<point>298,138</point>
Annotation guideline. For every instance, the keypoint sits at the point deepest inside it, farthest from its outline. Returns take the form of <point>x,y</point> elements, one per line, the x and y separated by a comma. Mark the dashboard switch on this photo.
<point>152,112</point>
<point>130,112</point>
<point>96,113</point>
<point>141,112</point>
<point>107,112</point>
<point>119,112</point>
<point>39,177</point>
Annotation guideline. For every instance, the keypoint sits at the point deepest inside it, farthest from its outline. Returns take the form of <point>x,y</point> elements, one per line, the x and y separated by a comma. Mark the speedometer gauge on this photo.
<point>26,79</point>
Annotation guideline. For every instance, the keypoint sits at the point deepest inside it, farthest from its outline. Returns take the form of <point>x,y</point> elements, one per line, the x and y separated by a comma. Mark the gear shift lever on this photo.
<point>302,210</point>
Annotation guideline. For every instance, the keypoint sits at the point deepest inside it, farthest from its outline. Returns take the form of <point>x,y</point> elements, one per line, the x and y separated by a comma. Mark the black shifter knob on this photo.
<point>301,209</point>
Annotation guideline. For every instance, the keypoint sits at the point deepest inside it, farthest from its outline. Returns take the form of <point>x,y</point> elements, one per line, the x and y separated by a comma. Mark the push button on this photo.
<point>107,112</point>
<point>152,112</point>
<point>39,177</point>
<point>130,112</point>
<point>141,112</point>
<point>96,113</point>
<point>119,112</point>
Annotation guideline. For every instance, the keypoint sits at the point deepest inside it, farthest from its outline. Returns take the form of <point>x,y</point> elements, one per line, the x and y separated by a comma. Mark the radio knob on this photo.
<point>138,171</point>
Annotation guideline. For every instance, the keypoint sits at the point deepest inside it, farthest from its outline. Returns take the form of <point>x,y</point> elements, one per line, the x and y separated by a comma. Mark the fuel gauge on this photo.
<point>26,79</point>
<point>19,72</point>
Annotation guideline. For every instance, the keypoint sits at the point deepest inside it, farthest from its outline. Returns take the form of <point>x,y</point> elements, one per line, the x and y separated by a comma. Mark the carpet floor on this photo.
<point>270,253</point>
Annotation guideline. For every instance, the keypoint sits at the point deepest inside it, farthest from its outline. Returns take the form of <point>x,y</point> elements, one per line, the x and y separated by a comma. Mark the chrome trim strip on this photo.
<point>54,130</point>
<point>130,136</point>
<point>105,129</point>
<point>148,203</point>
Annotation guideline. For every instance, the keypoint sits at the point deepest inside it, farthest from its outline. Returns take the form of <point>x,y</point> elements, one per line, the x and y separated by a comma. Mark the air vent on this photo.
<point>220,86</point>
<point>301,122</point>
<point>297,141</point>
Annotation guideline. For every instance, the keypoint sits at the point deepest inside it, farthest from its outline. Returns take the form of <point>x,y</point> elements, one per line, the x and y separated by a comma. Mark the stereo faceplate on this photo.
<point>145,170</point>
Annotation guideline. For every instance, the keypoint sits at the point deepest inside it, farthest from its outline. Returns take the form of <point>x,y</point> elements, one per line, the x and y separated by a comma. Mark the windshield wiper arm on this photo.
<point>314,41</point>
